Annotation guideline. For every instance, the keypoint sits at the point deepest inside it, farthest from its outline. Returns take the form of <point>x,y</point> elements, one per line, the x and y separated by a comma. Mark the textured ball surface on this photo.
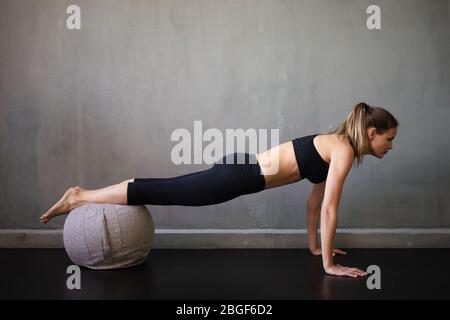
<point>108,236</point>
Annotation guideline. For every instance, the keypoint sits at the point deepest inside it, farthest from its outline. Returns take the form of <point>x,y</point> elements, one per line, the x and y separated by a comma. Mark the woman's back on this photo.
<point>304,157</point>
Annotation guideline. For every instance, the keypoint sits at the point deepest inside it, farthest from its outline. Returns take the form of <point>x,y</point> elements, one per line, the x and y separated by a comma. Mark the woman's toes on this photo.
<point>63,206</point>
<point>44,217</point>
<point>68,201</point>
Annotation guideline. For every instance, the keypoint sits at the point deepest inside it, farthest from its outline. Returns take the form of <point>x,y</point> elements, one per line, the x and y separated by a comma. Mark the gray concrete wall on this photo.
<point>96,106</point>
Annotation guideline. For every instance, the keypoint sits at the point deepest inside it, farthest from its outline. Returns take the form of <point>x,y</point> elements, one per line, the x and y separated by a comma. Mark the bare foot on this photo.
<point>68,202</point>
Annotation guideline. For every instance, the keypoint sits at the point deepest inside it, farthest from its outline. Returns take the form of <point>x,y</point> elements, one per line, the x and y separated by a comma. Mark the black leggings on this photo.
<point>227,179</point>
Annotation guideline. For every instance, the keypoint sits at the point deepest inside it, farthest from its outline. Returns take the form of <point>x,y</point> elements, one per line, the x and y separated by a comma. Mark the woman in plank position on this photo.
<point>323,159</point>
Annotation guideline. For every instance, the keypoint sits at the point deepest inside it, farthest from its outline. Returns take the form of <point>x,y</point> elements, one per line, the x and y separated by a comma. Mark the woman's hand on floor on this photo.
<point>318,251</point>
<point>339,270</point>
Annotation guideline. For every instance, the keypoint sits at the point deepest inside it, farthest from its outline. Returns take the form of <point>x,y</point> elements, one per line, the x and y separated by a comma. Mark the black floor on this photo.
<point>229,274</point>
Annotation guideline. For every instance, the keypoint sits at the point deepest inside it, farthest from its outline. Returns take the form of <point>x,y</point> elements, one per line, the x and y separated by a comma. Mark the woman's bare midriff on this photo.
<point>288,170</point>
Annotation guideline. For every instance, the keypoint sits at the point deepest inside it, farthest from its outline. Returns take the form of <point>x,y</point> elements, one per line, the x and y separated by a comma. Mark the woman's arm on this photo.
<point>313,222</point>
<point>341,162</point>
<point>313,203</point>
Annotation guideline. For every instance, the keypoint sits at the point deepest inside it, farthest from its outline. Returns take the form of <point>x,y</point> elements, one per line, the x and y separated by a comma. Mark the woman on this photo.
<point>324,159</point>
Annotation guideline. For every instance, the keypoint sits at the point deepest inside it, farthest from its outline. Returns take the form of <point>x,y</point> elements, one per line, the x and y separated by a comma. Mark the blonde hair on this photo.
<point>355,126</point>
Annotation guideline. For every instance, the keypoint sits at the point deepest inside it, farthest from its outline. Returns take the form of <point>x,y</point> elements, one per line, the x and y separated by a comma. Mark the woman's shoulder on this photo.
<point>335,144</point>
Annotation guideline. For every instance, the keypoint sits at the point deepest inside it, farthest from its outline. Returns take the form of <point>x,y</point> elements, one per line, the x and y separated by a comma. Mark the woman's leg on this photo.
<point>211,186</point>
<point>220,183</point>
<point>116,194</point>
<point>226,180</point>
<point>76,196</point>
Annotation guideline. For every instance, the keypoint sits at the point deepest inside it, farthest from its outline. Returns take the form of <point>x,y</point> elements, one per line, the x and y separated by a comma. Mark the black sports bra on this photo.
<point>310,164</point>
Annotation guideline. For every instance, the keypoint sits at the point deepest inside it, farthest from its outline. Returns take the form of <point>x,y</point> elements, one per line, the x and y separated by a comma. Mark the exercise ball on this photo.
<point>108,236</point>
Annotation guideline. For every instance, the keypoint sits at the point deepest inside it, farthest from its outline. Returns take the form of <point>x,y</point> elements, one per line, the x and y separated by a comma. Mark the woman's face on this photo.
<point>381,143</point>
